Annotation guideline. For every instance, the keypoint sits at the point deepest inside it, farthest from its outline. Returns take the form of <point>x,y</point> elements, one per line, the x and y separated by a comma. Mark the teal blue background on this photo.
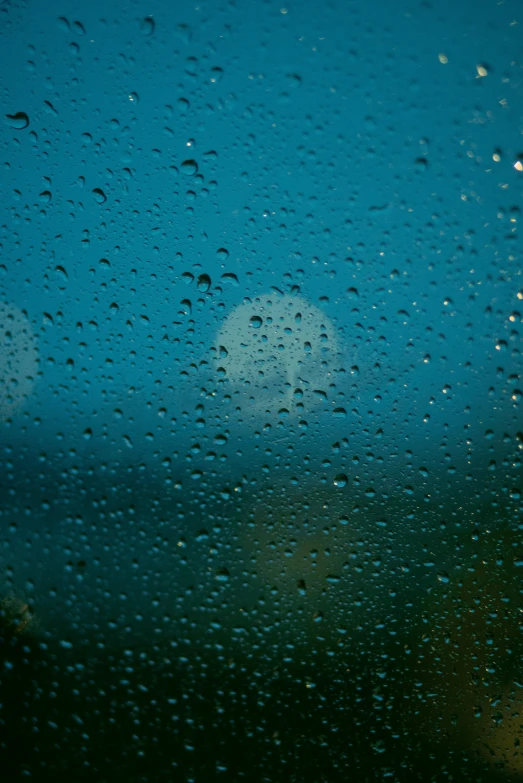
<point>334,151</point>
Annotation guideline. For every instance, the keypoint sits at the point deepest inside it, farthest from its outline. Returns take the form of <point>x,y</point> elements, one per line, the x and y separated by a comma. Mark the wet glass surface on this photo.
<point>261,296</point>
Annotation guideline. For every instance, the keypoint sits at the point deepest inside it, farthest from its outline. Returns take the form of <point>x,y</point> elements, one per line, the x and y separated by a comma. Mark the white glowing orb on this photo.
<point>278,352</point>
<point>18,360</point>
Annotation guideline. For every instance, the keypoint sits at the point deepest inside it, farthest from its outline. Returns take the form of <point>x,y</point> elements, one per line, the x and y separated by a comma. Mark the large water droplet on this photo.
<point>18,121</point>
<point>189,167</point>
<point>204,283</point>
<point>99,195</point>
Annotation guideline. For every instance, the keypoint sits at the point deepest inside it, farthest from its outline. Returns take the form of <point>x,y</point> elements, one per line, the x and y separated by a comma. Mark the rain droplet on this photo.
<point>189,167</point>
<point>340,480</point>
<point>256,322</point>
<point>293,80</point>
<point>230,277</point>
<point>204,283</point>
<point>61,273</point>
<point>147,26</point>
<point>18,121</point>
<point>216,75</point>
<point>62,24</point>
<point>99,195</point>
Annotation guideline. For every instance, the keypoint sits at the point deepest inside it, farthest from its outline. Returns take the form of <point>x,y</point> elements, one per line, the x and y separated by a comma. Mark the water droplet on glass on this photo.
<point>230,277</point>
<point>147,26</point>
<point>293,80</point>
<point>18,121</point>
<point>99,195</point>
<point>62,24</point>
<point>340,480</point>
<point>216,75</point>
<point>204,283</point>
<point>61,273</point>
<point>183,32</point>
<point>189,167</point>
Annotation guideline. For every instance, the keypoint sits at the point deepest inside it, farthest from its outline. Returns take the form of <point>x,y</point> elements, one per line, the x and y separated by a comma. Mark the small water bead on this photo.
<point>147,26</point>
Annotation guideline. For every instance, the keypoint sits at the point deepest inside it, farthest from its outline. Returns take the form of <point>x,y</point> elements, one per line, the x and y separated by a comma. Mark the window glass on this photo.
<point>261,296</point>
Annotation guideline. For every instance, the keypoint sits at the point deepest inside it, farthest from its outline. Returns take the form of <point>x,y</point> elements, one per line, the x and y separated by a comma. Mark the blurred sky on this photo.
<point>182,157</point>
